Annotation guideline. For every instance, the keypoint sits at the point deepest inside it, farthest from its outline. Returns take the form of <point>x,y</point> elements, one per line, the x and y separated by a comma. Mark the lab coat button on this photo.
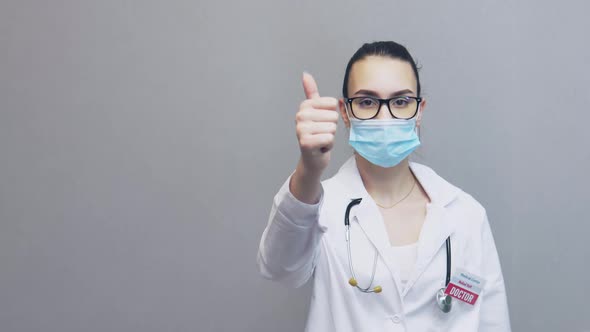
<point>396,319</point>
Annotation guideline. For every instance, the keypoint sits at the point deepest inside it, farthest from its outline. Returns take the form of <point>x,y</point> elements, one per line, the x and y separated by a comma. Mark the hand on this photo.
<point>316,123</point>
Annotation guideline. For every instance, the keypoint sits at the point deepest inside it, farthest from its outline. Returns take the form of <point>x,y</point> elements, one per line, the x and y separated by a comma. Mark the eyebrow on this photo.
<point>374,94</point>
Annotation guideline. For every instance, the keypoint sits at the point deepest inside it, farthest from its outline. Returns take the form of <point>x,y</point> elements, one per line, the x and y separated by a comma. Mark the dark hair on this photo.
<point>389,49</point>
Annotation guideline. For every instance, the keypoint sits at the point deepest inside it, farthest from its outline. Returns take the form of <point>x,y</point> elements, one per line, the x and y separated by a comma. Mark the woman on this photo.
<point>415,253</point>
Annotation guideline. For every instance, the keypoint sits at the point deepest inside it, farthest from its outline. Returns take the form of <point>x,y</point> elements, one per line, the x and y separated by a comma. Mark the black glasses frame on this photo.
<point>386,102</point>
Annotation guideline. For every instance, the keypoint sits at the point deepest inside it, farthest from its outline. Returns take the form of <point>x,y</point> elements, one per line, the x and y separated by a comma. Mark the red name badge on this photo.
<point>461,294</point>
<point>465,287</point>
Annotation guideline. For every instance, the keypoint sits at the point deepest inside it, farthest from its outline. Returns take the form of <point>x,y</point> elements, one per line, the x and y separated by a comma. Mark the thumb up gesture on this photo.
<point>316,123</point>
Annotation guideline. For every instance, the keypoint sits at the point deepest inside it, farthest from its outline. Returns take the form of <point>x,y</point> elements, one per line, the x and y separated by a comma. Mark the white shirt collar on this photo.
<point>440,191</point>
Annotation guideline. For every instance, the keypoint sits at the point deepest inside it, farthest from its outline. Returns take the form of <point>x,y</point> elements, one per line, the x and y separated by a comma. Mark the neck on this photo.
<point>385,185</point>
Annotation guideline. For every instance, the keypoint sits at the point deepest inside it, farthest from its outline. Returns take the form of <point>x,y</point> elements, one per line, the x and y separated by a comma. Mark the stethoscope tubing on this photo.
<point>357,201</point>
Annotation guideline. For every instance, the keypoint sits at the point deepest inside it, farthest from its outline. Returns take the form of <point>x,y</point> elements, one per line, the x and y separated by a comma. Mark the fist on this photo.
<point>316,123</point>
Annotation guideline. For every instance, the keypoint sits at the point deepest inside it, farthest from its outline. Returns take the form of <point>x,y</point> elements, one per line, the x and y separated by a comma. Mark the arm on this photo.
<point>290,241</point>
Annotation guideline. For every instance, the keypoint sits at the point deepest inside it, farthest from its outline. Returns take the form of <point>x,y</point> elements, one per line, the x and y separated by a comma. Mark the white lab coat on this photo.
<point>303,241</point>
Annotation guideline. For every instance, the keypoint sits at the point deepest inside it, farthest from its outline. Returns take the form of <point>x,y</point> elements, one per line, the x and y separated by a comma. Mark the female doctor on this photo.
<point>390,245</point>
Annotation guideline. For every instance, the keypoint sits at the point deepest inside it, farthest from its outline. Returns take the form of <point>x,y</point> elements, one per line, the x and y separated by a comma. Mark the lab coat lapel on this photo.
<point>370,221</point>
<point>435,230</point>
<point>437,226</point>
<point>366,213</point>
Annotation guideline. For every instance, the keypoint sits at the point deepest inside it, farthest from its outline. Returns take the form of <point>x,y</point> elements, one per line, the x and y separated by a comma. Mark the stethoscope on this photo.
<point>443,300</point>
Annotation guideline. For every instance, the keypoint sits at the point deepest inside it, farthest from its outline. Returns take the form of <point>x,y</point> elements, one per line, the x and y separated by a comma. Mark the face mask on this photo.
<point>383,142</point>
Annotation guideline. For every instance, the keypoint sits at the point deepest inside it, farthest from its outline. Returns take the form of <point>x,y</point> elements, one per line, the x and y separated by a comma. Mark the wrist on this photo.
<point>305,185</point>
<point>307,174</point>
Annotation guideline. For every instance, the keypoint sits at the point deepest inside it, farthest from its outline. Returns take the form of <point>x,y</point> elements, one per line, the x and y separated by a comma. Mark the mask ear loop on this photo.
<point>348,113</point>
<point>418,115</point>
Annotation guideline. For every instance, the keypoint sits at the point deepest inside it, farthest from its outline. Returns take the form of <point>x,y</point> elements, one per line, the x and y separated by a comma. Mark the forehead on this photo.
<point>381,74</point>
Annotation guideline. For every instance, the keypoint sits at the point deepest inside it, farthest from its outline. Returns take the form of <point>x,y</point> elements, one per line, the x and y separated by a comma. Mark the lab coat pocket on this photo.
<point>462,317</point>
<point>456,318</point>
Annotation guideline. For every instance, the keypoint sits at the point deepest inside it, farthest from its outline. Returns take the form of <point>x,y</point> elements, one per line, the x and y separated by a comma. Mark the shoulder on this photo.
<point>335,184</point>
<point>345,181</point>
<point>455,200</point>
<point>471,213</point>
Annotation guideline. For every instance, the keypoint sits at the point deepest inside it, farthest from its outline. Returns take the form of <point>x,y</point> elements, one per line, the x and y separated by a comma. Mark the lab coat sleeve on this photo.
<point>494,307</point>
<point>290,242</point>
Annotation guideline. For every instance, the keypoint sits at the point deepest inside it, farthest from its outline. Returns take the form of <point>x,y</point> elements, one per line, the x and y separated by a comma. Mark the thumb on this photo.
<point>309,86</point>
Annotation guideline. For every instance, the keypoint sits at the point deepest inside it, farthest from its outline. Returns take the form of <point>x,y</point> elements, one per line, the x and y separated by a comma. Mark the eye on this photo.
<point>401,101</point>
<point>366,102</point>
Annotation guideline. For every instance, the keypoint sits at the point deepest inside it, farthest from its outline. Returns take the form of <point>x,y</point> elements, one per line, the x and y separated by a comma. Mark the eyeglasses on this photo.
<point>401,107</point>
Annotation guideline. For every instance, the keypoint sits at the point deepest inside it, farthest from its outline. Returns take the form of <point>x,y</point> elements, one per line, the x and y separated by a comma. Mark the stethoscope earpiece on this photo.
<point>354,283</point>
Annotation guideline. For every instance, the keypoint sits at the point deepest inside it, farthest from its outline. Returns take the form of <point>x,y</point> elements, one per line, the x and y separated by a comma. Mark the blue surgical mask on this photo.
<point>384,142</point>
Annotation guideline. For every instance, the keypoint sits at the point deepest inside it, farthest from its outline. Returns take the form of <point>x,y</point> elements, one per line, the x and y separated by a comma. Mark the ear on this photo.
<point>420,112</point>
<point>343,112</point>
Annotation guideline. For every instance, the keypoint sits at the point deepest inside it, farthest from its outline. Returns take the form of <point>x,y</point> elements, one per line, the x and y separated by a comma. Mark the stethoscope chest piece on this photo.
<point>444,301</point>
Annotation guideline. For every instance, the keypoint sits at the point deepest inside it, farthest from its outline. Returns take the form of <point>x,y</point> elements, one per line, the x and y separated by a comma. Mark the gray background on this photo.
<point>141,144</point>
